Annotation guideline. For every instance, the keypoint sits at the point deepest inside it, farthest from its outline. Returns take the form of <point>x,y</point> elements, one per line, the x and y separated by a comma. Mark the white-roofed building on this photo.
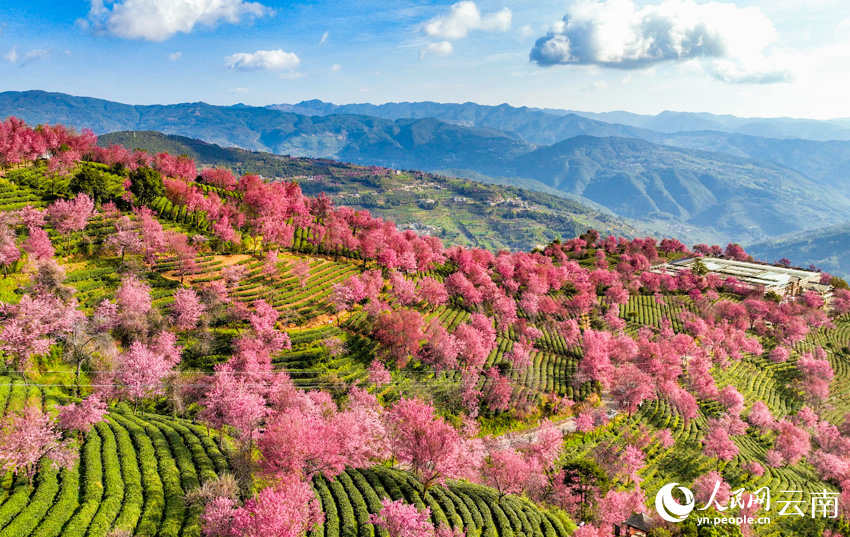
<point>781,280</point>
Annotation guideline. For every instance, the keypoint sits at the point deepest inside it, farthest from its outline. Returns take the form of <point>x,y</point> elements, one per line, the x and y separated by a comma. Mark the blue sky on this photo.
<point>749,58</point>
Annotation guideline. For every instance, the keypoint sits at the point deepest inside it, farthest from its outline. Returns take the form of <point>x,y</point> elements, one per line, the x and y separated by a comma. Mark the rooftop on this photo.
<point>753,273</point>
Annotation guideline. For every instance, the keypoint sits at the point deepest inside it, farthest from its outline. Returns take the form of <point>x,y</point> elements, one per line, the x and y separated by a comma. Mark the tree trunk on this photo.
<point>77,387</point>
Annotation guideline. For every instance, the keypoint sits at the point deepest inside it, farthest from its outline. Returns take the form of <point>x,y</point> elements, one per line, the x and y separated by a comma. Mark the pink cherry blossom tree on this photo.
<point>219,177</point>
<point>792,443</point>
<point>179,246</point>
<point>270,264</point>
<point>760,416</point>
<point>632,387</point>
<point>378,374</point>
<point>312,437</point>
<point>287,509</point>
<point>441,348</point>
<point>780,354</point>
<point>400,332</point>
<point>753,468</point>
<point>841,302</point>
<point>665,439</point>
<point>187,309</point>
<point>717,442</point>
<point>27,437</point>
<point>152,234</point>
<point>433,292</point>
<point>705,487</point>
<point>133,300</point>
<point>476,340</point>
<point>38,244</point>
<point>81,416</point>
<point>126,238</point>
<point>139,372</point>
<point>9,251</point>
<point>816,374</point>
<point>334,346</point>
<point>732,400</point>
<point>428,445</point>
<point>69,216</point>
<point>499,391</point>
<point>596,363</point>
<point>301,270</point>
<point>28,328</point>
<point>401,519</point>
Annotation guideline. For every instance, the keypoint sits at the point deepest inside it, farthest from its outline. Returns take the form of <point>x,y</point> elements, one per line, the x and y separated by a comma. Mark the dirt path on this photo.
<point>324,319</point>
<point>225,260</point>
<point>567,425</point>
<point>231,259</point>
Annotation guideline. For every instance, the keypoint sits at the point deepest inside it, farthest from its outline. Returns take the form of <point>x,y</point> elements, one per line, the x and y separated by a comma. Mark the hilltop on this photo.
<point>458,211</point>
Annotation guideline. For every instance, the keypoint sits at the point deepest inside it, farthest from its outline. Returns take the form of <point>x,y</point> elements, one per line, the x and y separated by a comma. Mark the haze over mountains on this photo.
<point>695,176</point>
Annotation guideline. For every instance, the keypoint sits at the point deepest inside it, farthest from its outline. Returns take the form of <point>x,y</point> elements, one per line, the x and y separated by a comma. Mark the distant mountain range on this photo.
<point>827,248</point>
<point>782,127</point>
<point>544,126</point>
<point>707,183</point>
<point>534,126</point>
<point>740,198</point>
<point>795,143</point>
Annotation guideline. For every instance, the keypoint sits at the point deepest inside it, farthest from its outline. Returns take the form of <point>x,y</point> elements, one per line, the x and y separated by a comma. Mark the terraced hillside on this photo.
<point>244,324</point>
<point>135,468</point>
<point>348,500</point>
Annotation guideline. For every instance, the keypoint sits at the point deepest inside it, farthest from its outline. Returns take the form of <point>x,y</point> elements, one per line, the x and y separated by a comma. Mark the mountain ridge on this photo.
<point>684,190</point>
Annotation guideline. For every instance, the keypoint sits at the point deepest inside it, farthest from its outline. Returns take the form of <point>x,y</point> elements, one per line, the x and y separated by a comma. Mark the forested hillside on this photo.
<point>188,351</point>
<point>458,211</point>
<point>819,247</point>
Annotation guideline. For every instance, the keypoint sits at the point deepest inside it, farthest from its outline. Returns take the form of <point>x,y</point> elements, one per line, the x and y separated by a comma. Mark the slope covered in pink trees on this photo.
<point>460,334</point>
<point>27,437</point>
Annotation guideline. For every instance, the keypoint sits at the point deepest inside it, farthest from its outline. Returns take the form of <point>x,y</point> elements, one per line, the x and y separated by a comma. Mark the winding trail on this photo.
<point>527,436</point>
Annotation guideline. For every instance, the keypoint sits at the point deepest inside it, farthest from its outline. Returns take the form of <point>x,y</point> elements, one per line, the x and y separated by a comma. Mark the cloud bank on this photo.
<point>265,60</point>
<point>158,20</point>
<point>731,41</point>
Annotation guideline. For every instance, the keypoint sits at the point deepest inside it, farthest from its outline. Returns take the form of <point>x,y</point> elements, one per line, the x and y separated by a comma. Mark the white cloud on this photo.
<point>463,17</point>
<point>735,73</point>
<point>596,86</point>
<point>12,55</point>
<point>324,38</point>
<point>526,31</point>
<point>240,91</point>
<point>336,67</point>
<point>267,60</point>
<point>157,20</point>
<point>619,34</point>
<point>35,55</point>
<point>32,56</point>
<point>292,75</point>
<point>174,56</point>
<point>442,48</point>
